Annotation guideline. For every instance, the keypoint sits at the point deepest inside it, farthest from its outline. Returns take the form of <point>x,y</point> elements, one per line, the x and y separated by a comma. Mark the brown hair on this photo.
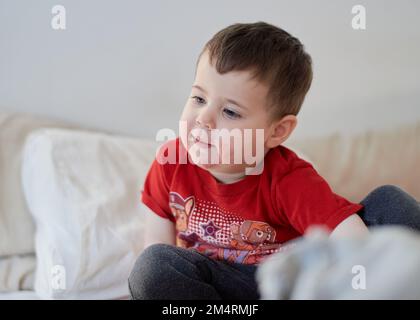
<point>273,56</point>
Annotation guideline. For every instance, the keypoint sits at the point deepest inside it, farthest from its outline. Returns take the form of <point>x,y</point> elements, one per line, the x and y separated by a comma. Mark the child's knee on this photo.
<point>147,271</point>
<point>389,204</point>
<point>388,191</point>
<point>385,194</point>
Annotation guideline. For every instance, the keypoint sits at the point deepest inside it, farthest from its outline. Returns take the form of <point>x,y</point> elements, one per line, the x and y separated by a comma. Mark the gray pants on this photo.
<point>168,272</point>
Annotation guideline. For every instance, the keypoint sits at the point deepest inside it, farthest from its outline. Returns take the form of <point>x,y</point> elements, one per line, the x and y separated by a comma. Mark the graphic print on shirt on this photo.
<point>181,209</point>
<point>220,234</point>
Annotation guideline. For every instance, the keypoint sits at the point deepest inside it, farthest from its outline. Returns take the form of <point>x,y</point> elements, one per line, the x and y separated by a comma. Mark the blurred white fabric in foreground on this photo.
<point>383,265</point>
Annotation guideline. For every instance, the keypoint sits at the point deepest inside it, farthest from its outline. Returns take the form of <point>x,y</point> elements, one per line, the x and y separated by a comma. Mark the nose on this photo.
<point>205,119</point>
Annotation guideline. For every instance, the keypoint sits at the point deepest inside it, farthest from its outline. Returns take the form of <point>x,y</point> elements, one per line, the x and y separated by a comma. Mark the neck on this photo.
<point>227,178</point>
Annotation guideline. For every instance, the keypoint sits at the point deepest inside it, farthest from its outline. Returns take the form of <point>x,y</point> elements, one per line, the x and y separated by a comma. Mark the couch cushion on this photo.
<point>356,164</point>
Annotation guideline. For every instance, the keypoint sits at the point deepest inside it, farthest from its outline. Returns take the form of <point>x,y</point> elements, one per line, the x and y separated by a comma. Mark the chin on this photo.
<point>205,166</point>
<point>208,167</point>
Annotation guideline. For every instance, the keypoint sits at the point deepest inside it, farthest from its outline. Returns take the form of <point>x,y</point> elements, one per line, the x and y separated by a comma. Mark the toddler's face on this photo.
<point>223,101</point>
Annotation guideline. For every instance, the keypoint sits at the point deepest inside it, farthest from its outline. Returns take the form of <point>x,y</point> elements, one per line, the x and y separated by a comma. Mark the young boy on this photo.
<point>209,225</point>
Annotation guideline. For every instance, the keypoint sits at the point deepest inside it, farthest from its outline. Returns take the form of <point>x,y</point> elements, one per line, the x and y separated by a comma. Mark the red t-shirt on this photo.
<point>247,220</point>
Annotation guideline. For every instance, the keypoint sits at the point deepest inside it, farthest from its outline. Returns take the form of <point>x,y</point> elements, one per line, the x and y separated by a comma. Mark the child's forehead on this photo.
<point>234,82</point>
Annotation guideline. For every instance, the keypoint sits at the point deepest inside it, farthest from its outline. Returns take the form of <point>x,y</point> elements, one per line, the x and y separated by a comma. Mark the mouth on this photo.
<point>201,142</point>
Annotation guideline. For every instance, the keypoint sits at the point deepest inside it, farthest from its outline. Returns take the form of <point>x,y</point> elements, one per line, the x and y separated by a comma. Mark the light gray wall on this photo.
<point>127,66</point>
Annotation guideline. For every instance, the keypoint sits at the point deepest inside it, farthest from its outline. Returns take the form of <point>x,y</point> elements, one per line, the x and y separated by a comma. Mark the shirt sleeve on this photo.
<point>306,199</point>
<point>155,192</point>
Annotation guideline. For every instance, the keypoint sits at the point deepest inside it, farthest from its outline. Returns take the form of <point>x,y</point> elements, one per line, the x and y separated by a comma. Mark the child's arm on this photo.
<point>157,229</point>
<point>350,227</point>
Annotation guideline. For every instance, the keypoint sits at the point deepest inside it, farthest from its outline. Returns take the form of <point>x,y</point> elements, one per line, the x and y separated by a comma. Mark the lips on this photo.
<point>200,140</point>
<point>197,140</point>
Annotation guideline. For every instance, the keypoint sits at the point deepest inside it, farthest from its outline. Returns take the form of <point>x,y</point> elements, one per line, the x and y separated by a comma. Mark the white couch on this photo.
<point>72,196</point>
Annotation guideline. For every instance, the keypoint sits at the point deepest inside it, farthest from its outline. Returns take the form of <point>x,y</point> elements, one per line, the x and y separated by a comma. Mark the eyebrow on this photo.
<point>228,100</point>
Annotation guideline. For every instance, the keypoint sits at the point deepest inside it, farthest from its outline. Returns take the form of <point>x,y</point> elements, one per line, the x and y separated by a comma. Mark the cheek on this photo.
<point>184,126</point>
<point>231,148</point>
<point>187,120</point>
<point>252,145</point>
<point>186,113</point>
<point>256,140</point>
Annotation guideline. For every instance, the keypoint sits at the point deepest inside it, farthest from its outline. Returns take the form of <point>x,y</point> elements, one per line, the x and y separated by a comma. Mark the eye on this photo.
<point>259,234</point>
<point>198,100</point>
<point>231,114</point>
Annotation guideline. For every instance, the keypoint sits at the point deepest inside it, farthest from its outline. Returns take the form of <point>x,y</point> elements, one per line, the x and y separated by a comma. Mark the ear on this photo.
<point>280,130</point>
<point>189,204</point>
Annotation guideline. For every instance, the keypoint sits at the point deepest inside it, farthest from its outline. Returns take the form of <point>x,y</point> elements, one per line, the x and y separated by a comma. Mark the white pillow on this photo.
<point>16,225</point>
<point>17,229</point>
<point>83,191</point>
